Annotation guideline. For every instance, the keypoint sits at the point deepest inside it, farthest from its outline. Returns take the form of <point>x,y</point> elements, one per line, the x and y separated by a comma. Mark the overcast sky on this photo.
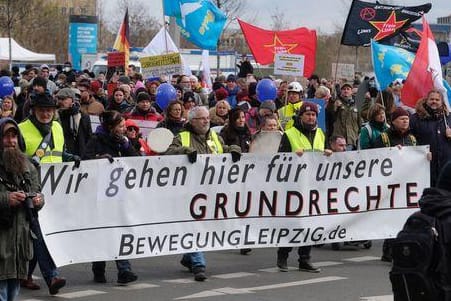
<point>323,15</point>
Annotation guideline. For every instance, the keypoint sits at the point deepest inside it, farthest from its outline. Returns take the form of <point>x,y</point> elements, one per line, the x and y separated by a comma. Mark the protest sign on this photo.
<point>149,206</point>
<point>343,71</point>
<point>289,64</point>
<point>164,64</point>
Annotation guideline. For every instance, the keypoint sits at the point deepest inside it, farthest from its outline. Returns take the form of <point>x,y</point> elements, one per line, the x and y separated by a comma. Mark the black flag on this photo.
<point>408,39</point>
<point>376,21</point>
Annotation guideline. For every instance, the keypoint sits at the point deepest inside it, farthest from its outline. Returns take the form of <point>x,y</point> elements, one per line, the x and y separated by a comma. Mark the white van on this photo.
<point>101,66</point>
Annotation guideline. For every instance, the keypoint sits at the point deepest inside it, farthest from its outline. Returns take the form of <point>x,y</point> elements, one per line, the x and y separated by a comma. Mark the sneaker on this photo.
<point>282,264</point>
<point>199,274</point>
<point>245,251</point>
<point>186,264</point>
<point>56,284</point>
<point>126,277</point>
<point>99,278</point>
<point>308,267</point>
<point>30,284</point>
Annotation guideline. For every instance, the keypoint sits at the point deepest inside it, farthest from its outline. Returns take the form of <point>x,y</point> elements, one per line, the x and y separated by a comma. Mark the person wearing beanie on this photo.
<point>303,136</point>
<point>15,218</point>
<point>267,108</point>
<point>76,125</point>
<point>189,102</point>
<point>144,109</point>
<point>431,126</point>
<point>221,94</point>
<point>232,89</point>
<point>110,141</point>
<point>397,135</point>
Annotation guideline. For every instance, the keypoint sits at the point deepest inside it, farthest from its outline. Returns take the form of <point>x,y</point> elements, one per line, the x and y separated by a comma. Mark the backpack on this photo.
<point>416,253</point>
<point>370,134</point>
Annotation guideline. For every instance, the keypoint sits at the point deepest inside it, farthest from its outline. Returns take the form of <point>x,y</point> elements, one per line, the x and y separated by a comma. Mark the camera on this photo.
<point>29,199</point>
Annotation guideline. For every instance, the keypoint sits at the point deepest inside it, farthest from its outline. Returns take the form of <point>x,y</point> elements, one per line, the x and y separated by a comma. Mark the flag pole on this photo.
<point>165,29</point>
<point>336,69</point>
<point>356,59</point>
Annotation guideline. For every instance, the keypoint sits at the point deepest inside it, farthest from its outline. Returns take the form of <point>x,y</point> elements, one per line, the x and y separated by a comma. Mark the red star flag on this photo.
<point>426,71</point>
<point>264,44</point>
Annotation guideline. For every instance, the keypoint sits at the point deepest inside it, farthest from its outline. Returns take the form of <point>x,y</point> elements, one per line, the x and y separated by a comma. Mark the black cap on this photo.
<point>42,100</point>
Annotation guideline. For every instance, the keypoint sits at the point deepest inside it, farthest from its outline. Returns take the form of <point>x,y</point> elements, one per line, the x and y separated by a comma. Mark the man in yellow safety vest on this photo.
<point>197,138</point>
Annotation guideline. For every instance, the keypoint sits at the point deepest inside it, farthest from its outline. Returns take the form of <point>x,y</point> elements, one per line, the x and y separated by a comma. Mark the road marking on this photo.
<point>378,298</point>
<point>326,263</point>
<point>276,270</point>
<point>180,281</point>
<point>361,259</point>
<point>248,290</point>
<point>233,275</point>
<point>80,294</point>
<point>136,286</point>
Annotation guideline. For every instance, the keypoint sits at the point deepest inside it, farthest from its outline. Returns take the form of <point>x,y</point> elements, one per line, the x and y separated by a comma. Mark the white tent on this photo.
<point>20,54</point>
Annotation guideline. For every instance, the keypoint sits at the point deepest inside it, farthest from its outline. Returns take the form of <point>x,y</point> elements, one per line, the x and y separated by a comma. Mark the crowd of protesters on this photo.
<point>53,109</point>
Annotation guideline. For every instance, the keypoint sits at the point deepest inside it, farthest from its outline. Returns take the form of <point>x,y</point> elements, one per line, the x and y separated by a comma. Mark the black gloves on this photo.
<point>192,156</point>
<point>236,156</point>
<point>77,161</point>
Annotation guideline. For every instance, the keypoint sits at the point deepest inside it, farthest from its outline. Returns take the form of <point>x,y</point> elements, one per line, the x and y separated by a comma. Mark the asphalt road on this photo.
<point>348,274</point>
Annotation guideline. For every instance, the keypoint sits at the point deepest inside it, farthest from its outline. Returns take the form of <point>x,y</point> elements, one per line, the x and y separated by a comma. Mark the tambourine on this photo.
<point>159,139</point>
<point>266,142</point>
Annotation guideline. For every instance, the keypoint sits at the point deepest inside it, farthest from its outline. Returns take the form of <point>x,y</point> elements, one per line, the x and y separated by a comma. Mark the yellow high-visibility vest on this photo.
<point>33,139</point>
<point>286,114</point>
<point>213,141</point>
<point>299,141</point>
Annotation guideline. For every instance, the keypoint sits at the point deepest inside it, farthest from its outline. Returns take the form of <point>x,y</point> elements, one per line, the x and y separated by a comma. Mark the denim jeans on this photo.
<point>98,267</point>
<point>196,259</point>
<point>9,289</point>
<point>41,255</point>
<point>303,252</point>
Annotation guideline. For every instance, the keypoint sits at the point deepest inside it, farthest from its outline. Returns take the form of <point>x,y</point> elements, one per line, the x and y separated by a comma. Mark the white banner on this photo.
<point>149,206</point>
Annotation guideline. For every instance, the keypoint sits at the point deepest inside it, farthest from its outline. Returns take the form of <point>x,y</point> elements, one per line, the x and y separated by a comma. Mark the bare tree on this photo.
<point>279,21</point>
<point>142,25</point>
<point>11,13</point>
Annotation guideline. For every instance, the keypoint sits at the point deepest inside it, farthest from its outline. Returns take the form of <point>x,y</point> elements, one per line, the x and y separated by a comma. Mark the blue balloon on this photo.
<point>266,90</point>
<point>6,86</point>
<point>165,93</point>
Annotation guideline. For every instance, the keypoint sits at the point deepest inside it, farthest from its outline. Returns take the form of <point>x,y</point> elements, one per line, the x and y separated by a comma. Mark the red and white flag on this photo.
<point>265,44</point>
<point>426,71</point>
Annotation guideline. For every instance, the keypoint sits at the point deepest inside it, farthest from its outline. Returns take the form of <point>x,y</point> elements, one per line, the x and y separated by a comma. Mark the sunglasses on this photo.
<point>131,129</point>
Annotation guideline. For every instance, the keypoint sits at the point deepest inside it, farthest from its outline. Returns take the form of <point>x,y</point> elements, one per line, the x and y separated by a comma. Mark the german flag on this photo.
<point>122,43</point>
